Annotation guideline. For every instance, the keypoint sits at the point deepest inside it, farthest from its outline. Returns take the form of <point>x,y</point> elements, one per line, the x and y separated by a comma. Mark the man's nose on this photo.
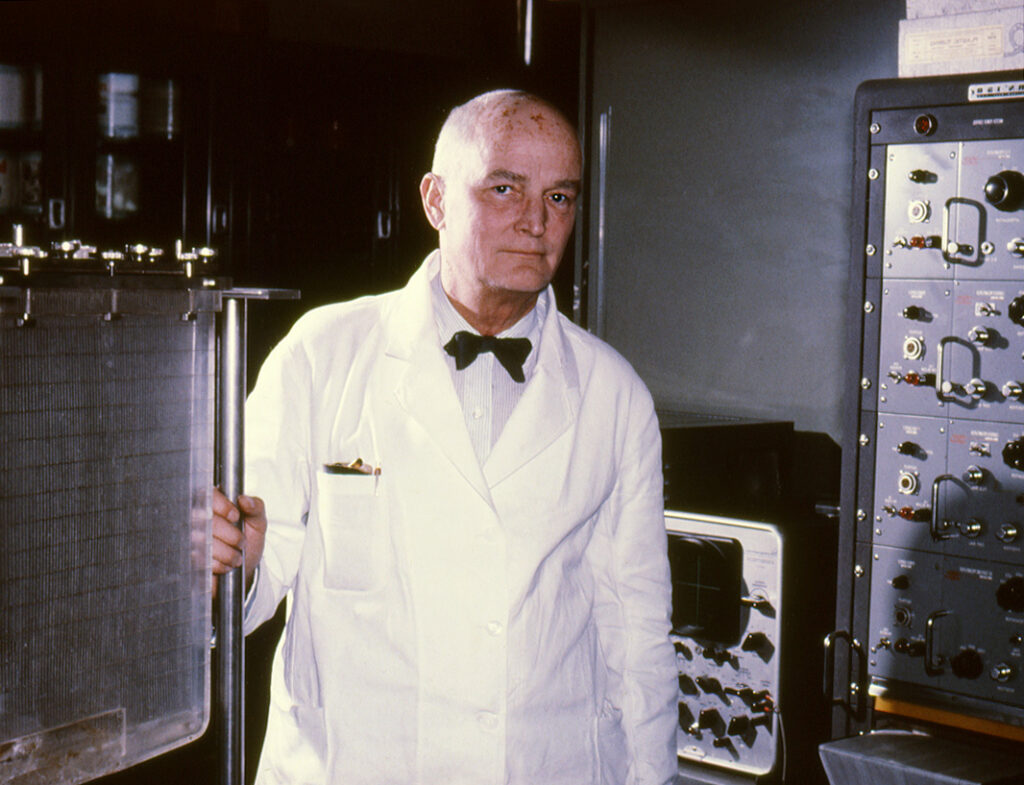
<point>532,218</point>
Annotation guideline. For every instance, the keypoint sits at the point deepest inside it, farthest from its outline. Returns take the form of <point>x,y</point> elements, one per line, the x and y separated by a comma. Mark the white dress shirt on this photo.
<point>486,391</point>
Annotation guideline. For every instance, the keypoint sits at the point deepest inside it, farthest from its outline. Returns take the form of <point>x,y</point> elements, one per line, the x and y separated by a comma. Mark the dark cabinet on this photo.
<point>105,144</point>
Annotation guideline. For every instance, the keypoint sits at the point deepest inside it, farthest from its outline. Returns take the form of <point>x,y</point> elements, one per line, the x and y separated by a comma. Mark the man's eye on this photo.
<point>502,189</point>
<point>561,198</point>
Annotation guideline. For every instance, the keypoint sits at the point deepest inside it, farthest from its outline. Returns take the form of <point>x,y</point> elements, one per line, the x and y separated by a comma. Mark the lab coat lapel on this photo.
<point>549,405</point>
<point>422,382</point>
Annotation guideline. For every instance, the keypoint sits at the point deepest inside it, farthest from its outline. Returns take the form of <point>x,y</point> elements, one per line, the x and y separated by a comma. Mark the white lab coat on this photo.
<point>450,624</point>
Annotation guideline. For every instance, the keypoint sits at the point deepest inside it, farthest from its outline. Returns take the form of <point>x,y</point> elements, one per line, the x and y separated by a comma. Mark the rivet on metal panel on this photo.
<point>952,155</point>
<point>878,532</point>
<point>872,174</point>
<point>870,250</point>
<point>868,306</point>
<point>858,571</point>
<point>864,440</point>
<point>875,128</point>
<point>865,383</point>
<point>861,515</point>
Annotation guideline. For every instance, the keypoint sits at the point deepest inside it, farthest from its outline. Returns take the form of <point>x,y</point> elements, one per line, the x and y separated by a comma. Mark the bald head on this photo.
<point>491,118</point>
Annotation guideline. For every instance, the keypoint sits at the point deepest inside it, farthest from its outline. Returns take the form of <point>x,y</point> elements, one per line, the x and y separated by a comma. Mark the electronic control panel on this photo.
<point>726,620</point>
<point>938,463</point>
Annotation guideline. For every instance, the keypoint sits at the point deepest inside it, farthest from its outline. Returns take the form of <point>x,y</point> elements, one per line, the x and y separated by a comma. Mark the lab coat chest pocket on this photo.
<point>351,513</point>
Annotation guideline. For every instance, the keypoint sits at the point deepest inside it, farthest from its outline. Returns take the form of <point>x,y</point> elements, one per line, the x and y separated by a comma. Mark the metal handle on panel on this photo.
<point>950,247</point>
<point>859,712</point>
<point>938,532</point>
<point>56,214</point>
<point>597,272</point>
<point>383,225</point>
<point>933,665</point>
<point>941,390</point>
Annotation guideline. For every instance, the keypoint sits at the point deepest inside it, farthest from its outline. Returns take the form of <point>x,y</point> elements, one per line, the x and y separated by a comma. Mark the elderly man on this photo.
<point>463,506</point>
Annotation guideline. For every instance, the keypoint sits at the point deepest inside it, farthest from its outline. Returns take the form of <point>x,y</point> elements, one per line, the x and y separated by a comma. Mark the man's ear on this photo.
<point>432,195</point>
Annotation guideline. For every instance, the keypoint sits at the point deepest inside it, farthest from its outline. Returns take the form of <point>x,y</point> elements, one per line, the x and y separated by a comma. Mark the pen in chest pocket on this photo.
<point>358,467</point>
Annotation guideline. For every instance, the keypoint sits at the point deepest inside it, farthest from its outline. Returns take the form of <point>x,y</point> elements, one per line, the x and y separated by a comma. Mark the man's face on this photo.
<point>508,209</point>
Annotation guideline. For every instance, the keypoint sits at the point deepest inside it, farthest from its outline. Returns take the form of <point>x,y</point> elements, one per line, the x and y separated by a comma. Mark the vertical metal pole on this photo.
<point>230,662</point>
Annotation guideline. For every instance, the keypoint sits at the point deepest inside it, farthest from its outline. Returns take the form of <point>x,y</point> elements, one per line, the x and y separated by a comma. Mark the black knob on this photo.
<point>901,582</point>
<point>967,664</point>
<point>755,641</point>
<point>1013,454</point>
<point>907,448</point>
<point>914,312</point>
<point>709,685</point>
<point>1005,191</point>
<point>1010,595</point>
<point>738,725</point>
<point>686,685</point>
<point>1016,311</point>
<point>685,716</point>
<point>711,720</point>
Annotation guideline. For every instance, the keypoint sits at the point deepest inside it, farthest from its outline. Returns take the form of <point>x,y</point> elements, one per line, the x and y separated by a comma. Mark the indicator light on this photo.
<point>916,379</point>
<point>925,125</point>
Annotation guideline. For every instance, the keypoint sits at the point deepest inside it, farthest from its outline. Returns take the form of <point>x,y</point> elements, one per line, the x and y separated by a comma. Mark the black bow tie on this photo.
<point>511,352</point>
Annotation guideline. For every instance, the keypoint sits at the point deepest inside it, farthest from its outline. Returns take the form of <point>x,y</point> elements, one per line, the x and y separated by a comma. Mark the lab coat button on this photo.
<point>478,413</point>
<point>494,627</point>
<point>487,720</point>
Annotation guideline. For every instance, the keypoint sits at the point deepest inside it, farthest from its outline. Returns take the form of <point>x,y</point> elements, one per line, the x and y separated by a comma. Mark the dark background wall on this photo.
<point>728,196</point>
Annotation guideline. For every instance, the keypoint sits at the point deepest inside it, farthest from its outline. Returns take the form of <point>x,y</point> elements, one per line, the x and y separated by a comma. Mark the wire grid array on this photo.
<point>106,461</point>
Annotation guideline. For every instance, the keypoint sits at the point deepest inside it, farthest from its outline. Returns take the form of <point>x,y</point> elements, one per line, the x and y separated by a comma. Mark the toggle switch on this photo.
<point>974,475</point>
<point>976,388</point>
<point>980,335</point>
<point>1008,532</point>
<point>971,528</point>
